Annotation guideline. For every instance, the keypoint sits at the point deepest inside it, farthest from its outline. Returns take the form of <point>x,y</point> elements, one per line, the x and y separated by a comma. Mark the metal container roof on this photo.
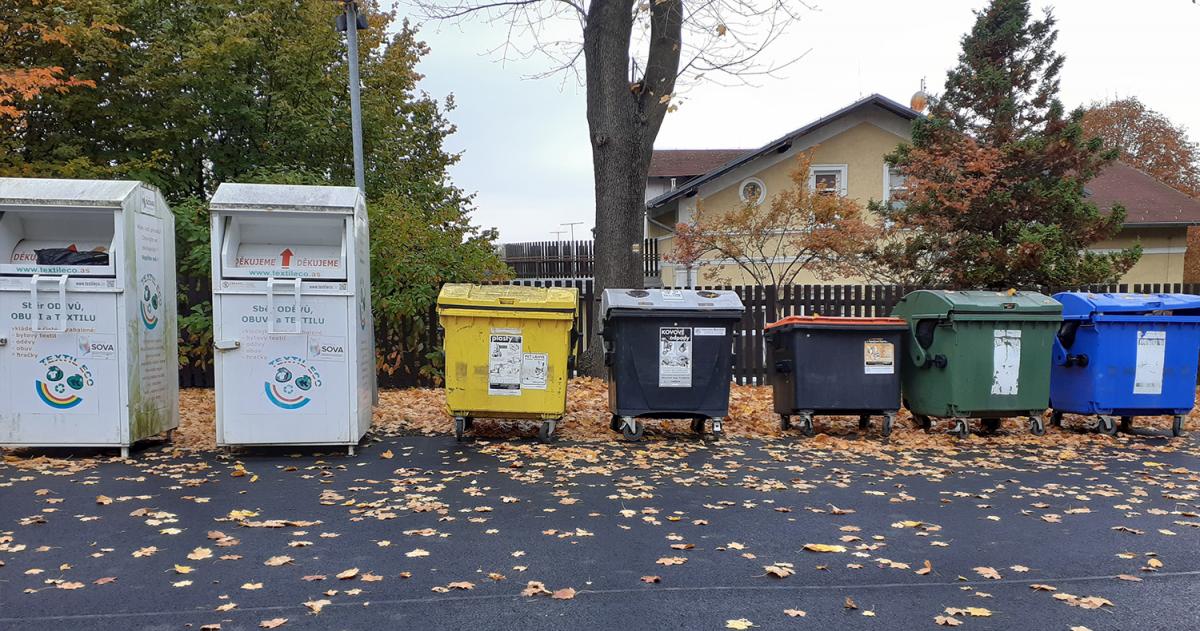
<point>285,197</point>
<point>23,191</point>
<point>670,300</point>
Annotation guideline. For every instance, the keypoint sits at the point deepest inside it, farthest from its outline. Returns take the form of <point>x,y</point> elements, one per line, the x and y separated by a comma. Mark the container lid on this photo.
<point>839,322</point>
<point>670,300</point>
<point>929,301</point>
<point>1082,304</point>
<point>508,297</point>
<point>235,196</point>
<point>17,191</point>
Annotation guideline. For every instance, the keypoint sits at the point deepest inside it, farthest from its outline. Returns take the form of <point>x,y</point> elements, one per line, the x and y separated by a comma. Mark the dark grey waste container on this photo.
<point>669,354</point>
<point>836,366</point>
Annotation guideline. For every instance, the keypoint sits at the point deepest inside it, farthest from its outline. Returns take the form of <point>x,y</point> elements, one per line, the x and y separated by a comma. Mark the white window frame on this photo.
<point>762,188</point>
<point>887,182</point>
<point>842,170</point>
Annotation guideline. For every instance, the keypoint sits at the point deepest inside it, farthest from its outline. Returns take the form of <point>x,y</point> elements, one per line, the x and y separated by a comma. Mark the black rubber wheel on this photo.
<point>991,425</point>
<point>1056,418</point>
<point>638,429</point>
<point>806,425</point>
<point>1036,426</point>
<point>785,422</point>
<point>698,426</point>
<point>614,423</point>
<point>962,428</point>
<point>718,430</point>
<point>1106,425</point>
<point>1126,424</point>
<point>864,421</point>
<point>1177,426</point>
<point>546,433</point>
<point>889,421</point>
<point>460,427</point>
<point>922,422</point>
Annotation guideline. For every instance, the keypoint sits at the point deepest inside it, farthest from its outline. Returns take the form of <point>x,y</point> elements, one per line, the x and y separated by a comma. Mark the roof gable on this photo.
<point>689,162</point>
<point>783,143</point>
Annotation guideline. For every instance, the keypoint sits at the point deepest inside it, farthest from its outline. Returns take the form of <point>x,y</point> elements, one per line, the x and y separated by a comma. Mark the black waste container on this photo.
<point>835,366</point>
<point>669,354</point>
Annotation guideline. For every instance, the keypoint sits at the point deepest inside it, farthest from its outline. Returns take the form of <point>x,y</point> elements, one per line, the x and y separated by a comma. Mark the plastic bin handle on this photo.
<point>60,325</point>
<point>271,283</point>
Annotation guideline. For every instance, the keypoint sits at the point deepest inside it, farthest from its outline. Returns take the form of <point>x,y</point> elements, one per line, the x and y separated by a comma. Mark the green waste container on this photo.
<point>978,354</point>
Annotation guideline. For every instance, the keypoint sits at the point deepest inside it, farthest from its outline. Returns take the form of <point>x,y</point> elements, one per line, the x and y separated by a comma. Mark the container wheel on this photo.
<point>1126,424</point>
<point>1107,425</point>
<point>785,422</point>
<point>1177,426</point>
<point>922,422</point>
<point>718,427</point>
<point>889,421</point>
<point>546,432</point>
<point>614,423</point>
<point>864,421</point>
<point>991,425</point>
<point>698,426</point>
<point>1036,426</point>
<point>1056,418</point>
<point>962,428</point>
<point>806,425</point>
<point>460,427</point>
<point>632,429</point>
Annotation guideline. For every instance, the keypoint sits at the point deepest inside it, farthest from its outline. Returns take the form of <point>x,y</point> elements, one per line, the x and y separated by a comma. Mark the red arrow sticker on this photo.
<point>287,257</point>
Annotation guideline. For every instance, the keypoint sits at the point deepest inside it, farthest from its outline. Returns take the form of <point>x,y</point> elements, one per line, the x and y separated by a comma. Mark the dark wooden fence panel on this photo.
<point>566,259</point>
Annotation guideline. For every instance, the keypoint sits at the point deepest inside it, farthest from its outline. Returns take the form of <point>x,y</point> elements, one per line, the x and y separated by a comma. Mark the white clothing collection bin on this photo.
<point>292,325</point>
<point>88,342</point>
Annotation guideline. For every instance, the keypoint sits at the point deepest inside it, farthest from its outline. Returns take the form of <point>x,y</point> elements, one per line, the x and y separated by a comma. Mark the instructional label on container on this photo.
<point>1151,353</point>
<point>504,363</point>
<point>879,357</point>
<point>709,330</point>
<point>1006,361</point>
<point>674,357</point>
<point>672,294</point>
<point>533,371</point>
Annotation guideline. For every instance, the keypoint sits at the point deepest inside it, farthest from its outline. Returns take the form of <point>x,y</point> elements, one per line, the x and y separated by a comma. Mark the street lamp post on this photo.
<point>359,22</point>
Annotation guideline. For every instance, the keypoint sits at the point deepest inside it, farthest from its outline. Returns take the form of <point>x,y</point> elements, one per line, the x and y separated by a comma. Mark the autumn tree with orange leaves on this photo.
<point>1147,140</point>
<point>798,229</point>
<point>995,174</point>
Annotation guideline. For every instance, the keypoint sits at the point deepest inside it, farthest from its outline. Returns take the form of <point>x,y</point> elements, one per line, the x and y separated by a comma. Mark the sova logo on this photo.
<point>150,301</point>
<point>293,381</point>
<point>64,383</point>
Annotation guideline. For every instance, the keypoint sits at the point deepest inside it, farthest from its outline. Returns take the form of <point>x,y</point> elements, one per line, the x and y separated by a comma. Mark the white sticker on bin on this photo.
<point>533,371</point>
<point>1151,355</point>
<point>879,357</point>
<point>674,357</point>
<point>1006,361</point>
<point>504,363</point>
<point>709,330</point>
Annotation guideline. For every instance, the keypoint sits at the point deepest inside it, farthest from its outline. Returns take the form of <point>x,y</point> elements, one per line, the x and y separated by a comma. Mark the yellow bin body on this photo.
<point>507,349</point>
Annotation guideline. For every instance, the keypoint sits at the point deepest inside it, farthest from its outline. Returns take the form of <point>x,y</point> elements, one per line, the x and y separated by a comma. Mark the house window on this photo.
<point>828,179</point>
<point>893,185</point>
<point>752,191</point>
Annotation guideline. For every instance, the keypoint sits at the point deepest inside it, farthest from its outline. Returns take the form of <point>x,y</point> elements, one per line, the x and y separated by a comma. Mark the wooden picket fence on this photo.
<point>763,305</point>
<point>566,259</point>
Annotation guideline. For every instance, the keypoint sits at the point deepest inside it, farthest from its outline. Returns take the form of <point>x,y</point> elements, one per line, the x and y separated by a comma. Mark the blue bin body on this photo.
<point>1126,354</point>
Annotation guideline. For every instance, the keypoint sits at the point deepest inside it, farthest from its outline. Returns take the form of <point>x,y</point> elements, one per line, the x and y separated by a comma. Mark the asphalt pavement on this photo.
<point>430,534</point>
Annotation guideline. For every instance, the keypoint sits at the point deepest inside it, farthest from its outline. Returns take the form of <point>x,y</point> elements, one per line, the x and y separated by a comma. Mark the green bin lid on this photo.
<point>944,301</point>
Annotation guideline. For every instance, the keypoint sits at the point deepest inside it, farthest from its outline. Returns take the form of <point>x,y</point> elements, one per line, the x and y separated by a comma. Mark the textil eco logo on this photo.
<point>150,301</point>
<point>292,382</point>
<point>65,381</point>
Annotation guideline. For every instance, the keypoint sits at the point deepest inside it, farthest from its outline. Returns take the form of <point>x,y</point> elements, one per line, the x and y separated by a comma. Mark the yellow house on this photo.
<point>847,155</point>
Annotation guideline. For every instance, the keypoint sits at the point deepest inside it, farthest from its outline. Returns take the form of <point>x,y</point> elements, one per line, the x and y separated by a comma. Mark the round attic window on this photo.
<point>752,190</point>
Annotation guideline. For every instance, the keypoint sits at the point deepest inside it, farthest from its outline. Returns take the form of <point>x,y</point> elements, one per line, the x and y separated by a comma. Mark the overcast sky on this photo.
<point>524,141</point>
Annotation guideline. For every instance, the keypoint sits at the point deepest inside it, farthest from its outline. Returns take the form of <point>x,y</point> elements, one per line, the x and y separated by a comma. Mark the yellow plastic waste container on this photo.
<point>508,351</point>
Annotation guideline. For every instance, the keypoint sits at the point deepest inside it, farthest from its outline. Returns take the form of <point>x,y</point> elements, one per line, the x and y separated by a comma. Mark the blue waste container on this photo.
<point>1117,356</point>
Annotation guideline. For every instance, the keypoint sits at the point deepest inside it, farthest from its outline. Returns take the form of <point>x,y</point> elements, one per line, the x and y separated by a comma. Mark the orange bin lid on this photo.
<point>817,320</point>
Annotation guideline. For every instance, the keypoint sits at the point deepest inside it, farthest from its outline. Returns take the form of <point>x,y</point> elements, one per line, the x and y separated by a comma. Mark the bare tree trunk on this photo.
<point>623,121</point>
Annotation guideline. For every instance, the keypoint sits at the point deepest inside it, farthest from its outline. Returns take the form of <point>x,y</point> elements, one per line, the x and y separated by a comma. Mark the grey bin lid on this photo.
<point>16,191</point>
<point>285,197</point>
<point>702,300</point>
